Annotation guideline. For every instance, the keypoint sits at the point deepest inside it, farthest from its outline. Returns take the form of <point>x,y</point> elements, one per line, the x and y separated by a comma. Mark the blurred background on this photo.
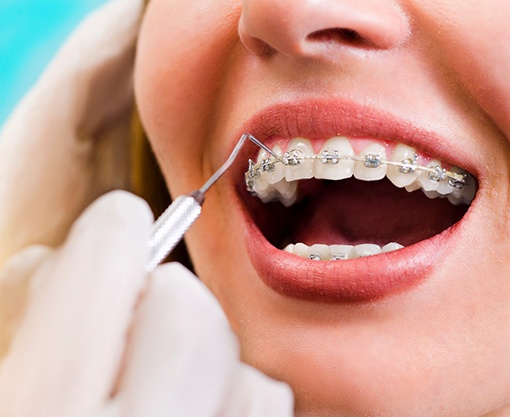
<point>30,34</point>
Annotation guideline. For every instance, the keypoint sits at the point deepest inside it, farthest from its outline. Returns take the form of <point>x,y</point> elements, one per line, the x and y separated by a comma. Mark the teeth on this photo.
<point>320,252</point>
<point>371,168</point>
<point>302,250</point>
<point>329,165</point>
<point>342,252</point>
<point>287,192</point>
<point>263,181</point>
<point>300,167</point>
<point>278,172</point>
<point>367,250</point>
<point>390,247</point>
<point>430,181</point>
<point>270,184</point>
<point>272,179</point>
<point>402,176</point>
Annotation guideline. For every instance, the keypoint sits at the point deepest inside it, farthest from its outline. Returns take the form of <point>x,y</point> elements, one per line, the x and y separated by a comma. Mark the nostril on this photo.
<point>338,35</point>
<point>321,29</point>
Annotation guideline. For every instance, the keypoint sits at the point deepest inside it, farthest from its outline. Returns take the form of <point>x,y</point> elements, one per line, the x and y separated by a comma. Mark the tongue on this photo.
<point>355,212</point>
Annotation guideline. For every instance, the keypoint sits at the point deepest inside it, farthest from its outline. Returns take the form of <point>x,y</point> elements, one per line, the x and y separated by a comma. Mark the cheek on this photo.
<point>182,51</point>
<point>471,39</point>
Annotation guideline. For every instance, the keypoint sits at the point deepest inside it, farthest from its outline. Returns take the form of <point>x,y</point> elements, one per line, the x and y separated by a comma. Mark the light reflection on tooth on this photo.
<point>390,247</point>
<point>343,168</point>
<point>367,250</point>
<point>403,176</point>
<point>304,169</point>
<point>370,169</point>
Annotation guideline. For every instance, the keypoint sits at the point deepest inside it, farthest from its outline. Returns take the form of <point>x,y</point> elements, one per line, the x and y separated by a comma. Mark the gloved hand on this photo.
<point>85,331</point>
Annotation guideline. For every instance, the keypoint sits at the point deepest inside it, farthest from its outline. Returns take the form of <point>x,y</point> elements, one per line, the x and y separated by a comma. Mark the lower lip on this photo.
<point>351,281</point>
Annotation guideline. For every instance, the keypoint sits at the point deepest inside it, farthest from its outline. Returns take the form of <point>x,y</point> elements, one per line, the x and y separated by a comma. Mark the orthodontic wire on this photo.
<point>296,157</point>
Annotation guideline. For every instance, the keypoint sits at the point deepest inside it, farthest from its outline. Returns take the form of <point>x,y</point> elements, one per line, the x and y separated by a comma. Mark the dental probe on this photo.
<point>170,227</point>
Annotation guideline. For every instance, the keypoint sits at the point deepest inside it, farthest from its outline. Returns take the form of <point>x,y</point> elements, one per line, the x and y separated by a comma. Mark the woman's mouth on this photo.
<point>349,218</point>
<point>323,214</point>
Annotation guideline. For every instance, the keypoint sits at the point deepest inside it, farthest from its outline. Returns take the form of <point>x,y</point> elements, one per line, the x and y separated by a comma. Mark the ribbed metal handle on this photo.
<point>170,228</point>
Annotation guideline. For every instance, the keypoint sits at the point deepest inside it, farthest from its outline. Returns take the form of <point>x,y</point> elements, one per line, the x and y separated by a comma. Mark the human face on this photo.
<point>421,331</point>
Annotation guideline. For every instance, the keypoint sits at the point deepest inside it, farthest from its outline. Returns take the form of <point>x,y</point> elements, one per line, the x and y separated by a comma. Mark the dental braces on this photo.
<point>296,157</point>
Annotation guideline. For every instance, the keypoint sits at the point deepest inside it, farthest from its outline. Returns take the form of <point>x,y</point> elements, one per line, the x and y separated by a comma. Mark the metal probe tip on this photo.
<point>228,163</point>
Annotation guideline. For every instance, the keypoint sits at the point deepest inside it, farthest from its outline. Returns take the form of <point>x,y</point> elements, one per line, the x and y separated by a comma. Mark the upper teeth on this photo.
<point>275,178</point>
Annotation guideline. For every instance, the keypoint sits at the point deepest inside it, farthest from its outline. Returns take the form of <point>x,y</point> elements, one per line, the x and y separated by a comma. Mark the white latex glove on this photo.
<point>67,142</point>
<point>87,333</point>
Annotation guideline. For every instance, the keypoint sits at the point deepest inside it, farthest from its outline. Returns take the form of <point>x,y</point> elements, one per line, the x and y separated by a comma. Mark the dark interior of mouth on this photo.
<point>354,212</point>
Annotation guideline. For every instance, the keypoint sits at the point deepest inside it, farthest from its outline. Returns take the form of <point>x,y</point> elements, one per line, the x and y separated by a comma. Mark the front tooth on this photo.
<point>328,167</point>
<point>427,180</point>
<point>278,173</point>
<point>305,168</point>
<point>402,176</point>
<point>371,168</point>
<point>342,252</point>
<point>391,247</point>
<point>321,250</point>
<point>367,250</point>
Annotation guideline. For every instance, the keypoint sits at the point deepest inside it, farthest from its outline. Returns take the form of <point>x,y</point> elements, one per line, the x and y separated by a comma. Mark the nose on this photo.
<point>310,28</point>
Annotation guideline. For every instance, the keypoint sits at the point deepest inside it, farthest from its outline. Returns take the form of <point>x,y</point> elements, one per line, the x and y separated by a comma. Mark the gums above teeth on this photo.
<point>272,178</point>
<point>321,252</point>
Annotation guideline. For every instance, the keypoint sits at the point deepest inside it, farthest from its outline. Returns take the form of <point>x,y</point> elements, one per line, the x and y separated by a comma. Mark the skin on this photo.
<point>205,67</point>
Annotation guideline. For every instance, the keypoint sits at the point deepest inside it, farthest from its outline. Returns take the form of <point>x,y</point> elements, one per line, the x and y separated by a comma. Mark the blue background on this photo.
<point>30,34</point>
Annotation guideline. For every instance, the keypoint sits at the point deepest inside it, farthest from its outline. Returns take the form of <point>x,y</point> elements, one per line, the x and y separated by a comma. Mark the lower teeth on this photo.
<point>321,252</point>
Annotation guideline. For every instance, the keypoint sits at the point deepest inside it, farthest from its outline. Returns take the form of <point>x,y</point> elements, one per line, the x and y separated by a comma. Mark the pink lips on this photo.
<point>356,280</point>
<point>363,279</point>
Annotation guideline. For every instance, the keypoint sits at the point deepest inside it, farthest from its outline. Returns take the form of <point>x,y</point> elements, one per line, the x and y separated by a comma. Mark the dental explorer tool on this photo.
<point>170,227</point>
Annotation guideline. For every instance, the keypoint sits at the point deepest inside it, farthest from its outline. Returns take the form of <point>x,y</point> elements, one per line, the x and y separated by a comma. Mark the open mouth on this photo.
<point>353,198</point>
<point>349,204</point>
